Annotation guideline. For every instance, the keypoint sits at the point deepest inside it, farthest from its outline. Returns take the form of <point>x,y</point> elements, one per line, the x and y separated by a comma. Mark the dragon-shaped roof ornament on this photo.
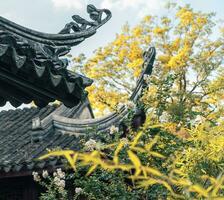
<point>30,65</point>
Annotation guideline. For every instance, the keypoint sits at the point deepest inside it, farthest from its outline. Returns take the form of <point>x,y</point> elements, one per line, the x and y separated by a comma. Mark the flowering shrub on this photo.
<point>54,185</point>
<point>152,163</point>
<point>178,153</point>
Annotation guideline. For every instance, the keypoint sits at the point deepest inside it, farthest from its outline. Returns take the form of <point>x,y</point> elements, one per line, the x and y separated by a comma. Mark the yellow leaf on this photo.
<point>56,154</point>
<point>147,183</point>
<point>152,143</point>
<point>75,158</point>
<point>68,154</point>
<point>135,141</point>
<point>198,189</point>
<point>155,154</point>
<point>153,171</point>
<point>70,160</point>
<point>92,168</point>
<point>109,146</point>
<point>138,149</point>
<point>218,185</point>
<point>117,151</point>
<point>135,160</point>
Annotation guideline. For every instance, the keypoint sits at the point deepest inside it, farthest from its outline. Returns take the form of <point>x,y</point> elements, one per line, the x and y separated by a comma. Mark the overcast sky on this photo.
<point>51,15</point>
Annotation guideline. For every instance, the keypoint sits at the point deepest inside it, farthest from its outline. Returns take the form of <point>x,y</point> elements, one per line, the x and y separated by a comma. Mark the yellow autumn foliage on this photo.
<point>186,52</point>
<point>211,145</point>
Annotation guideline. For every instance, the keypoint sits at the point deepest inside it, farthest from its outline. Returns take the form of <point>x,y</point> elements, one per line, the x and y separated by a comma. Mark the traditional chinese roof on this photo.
<point>26,134</point>
<point>18,144</point>
<point>31,67</point>
<point>72,34</point>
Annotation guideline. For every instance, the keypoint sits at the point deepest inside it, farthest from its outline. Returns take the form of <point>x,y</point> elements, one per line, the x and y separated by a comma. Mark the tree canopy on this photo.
<point>187,81</point>
<point>178,152</point>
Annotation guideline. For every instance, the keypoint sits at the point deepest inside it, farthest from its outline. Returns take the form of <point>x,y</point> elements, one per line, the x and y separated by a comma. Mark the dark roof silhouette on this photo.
<point>32,67</point>
<point>27,134</point>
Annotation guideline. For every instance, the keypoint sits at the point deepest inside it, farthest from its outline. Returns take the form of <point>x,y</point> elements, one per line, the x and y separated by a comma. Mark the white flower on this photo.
<point>113,129</point>
<point>35,174</point>
<point>57,180</point>
<point>58,170</point>
<point>36,177</point>
<point>60,173</point>
<point>130,105</point>
<point>61,189</point>
<point>90,145</point>
<point>45,174</point>
<point>61,184</point>
<point>199,119</point>
<point>78,190</point>
<point>164,117</point>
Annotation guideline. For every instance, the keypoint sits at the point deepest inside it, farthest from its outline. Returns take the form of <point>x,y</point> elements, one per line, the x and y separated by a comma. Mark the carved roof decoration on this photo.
<point>81,28</point>
<point>31,67</point>
<point>18,149</point>
<point>27,134</point>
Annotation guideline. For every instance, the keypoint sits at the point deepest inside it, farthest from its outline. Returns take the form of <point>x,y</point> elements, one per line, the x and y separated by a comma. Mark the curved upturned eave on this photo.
<point>17,86</point>
<point>103,123</point>
<point>70,39</point>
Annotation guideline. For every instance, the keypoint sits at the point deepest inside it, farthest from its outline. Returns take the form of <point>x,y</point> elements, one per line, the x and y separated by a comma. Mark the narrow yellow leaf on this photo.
<point>158,155</point>
<point>70,159</point>
<point>135,160</point>
<point>108,146</point>
<point>218,185</point>
<point>138,149</point>
<point>75,158</point>
<point>152,143</point>
<point>153,171</point>
<point>198,189</point>
<point>117,151</point>
<point>136,139</point>
<point>91,170</point>
<point>56,154</point>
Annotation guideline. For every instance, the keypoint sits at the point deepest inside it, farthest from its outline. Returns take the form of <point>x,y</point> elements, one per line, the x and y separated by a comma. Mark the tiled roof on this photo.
<point>26,134</point>
<point>72,34</point>
<point>17,150</point>
<point>31,64</point>
<point>65,124</point>
<point>35,73</point>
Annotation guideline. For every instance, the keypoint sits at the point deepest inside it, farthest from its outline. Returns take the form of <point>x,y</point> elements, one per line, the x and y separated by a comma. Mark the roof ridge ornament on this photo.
<point>31,67</point>
<point>82,29</point>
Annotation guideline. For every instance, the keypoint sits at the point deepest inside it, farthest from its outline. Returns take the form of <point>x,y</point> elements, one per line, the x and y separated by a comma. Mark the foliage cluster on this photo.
<point>178,153</point>
<point>150,164</point>
<point>188,73</point>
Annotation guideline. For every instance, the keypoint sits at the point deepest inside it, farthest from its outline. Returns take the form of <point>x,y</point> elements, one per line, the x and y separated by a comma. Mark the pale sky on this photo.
<point>51,16</point>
